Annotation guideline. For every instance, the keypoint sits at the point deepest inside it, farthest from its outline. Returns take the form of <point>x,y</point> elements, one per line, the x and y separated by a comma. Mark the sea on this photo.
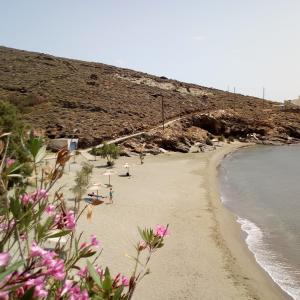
<point>261,186</point>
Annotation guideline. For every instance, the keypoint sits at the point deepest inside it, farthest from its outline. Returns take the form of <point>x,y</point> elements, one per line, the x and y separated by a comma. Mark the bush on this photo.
<point>230,139</point>
<point>10,121</point>
<point>221,138</point>
<point>107,151</point>
<point>31,217</point>
<point>209,142</point>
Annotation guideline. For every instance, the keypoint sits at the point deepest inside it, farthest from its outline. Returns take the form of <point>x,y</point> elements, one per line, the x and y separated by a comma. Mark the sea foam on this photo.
<point>280,272</point>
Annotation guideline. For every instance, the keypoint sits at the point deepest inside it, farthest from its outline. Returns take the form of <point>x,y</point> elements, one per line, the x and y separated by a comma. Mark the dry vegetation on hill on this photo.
<point>99,102</point>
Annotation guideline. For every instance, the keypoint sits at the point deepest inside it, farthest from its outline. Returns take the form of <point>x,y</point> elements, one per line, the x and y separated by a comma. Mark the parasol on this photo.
<point>109,173</point>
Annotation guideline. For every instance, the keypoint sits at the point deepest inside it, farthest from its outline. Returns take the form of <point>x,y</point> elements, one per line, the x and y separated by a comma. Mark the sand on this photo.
<point>205,257</point>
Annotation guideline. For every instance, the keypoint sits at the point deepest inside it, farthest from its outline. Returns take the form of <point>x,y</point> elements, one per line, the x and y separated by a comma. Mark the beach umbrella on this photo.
<point>126,165</point>
<point>109,173</point>
<point>95,187</point>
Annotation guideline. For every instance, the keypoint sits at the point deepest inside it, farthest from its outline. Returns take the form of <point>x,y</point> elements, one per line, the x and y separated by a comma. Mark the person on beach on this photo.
<point>111,196</point>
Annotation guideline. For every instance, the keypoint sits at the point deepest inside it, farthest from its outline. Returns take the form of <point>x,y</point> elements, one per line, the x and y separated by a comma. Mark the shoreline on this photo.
<point>205,257</point>
<point>240,260</point>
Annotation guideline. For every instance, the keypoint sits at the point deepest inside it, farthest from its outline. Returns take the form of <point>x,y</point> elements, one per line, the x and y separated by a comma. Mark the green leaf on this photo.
<point>107,282</point>
<point>118,293</point>
<point>34,145</point>
<point>13,168</point>
<point>29,294</point>
<point>15,175</point>
<point>11,269</point>
<point>58,234</point>
<point>94,274</point>
<point>88,254</point>
<point>40,155</point>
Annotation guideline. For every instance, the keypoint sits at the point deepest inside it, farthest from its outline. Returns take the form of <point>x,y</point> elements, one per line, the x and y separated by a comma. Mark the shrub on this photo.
<point>10,121</point>
<point>231,139</point>
<point>31,217</point>
<point>221,138</point>
<point>108,151</point>
<point>209,142</point>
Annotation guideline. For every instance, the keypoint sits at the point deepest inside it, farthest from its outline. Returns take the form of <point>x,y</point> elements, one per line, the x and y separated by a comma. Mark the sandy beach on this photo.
<point>205,257</point>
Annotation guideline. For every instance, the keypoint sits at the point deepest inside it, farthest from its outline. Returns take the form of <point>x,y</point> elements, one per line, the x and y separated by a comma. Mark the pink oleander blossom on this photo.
<point>10,162</point>
<point>83,272</point>
<point>55,266</point>
<point>39,195</point>
<point>37,251</point>
<point>4,258</point>
<point>69,220</point>
<point>83,245</point>
<point>161,231</point>
<point>74,292</point>
<point>39,286</point>
<point>94,241</point>
<point>4,295</point>
<point>50,210</point>
<point>25,199</point>
<point>125,281</point>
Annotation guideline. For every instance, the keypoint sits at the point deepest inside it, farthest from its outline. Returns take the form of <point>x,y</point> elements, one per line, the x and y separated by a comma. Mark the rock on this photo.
<point>162,150</point>
<point>57,144</point>
<point>93,76</point>
<point>154,151</point>
<point>127,153</point>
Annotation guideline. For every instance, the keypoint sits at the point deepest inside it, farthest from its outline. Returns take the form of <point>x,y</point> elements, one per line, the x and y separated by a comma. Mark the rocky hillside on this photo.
<point>97,102</point>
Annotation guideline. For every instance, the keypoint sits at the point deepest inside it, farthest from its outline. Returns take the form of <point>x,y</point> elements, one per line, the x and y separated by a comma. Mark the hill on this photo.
<point>98,102</point>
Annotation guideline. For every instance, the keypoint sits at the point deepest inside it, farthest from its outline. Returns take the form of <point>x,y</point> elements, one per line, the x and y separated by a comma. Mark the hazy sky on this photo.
<point>217,43</point>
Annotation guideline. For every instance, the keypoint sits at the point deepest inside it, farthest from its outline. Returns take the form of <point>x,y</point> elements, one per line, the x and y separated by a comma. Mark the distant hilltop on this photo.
<point>296,101</point>
<point>95,102</point>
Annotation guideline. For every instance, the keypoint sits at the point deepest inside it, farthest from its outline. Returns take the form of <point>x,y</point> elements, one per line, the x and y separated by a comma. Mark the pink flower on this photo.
<point>25,198</point>
<point>10,162</point>
<point>55,266</point>
<point>83,245</point>
<point>74,292</point>
<point>39,286</point>
<point>99,271</point>
<point>4,258</point>
<point>94,241</point>
<point>125,281</point>
<point>67,287</point>
<point>36,251</point>
<point>50,210</point>
<point>83,272</point>
<point>39,195</point>
<point>70,220</point>
<point>4,295</point>
<point>161,231</point>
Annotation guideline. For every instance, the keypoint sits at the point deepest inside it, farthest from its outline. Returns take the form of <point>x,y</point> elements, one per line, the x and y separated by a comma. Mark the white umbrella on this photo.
<point>126,165</point>
<point>109,173</point>
<point>95,187</point>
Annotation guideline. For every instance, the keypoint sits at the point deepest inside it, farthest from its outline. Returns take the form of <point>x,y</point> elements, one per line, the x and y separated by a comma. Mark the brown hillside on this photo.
<point>99,101</point>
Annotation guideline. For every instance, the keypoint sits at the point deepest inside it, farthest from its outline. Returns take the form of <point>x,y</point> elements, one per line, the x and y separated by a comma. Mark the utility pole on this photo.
<point>263,97</point>
<point>234,98</point>
<point>163,111</point>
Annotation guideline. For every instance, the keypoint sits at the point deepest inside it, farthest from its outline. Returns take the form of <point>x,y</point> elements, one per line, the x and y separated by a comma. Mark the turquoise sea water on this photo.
<point>261,185</point>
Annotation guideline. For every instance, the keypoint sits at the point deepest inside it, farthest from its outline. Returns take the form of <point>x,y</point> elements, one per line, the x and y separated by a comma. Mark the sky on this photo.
<point>217,43</point>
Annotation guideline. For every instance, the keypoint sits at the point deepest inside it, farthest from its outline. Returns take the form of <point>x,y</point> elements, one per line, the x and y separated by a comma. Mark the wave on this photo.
<point>280,271</point>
